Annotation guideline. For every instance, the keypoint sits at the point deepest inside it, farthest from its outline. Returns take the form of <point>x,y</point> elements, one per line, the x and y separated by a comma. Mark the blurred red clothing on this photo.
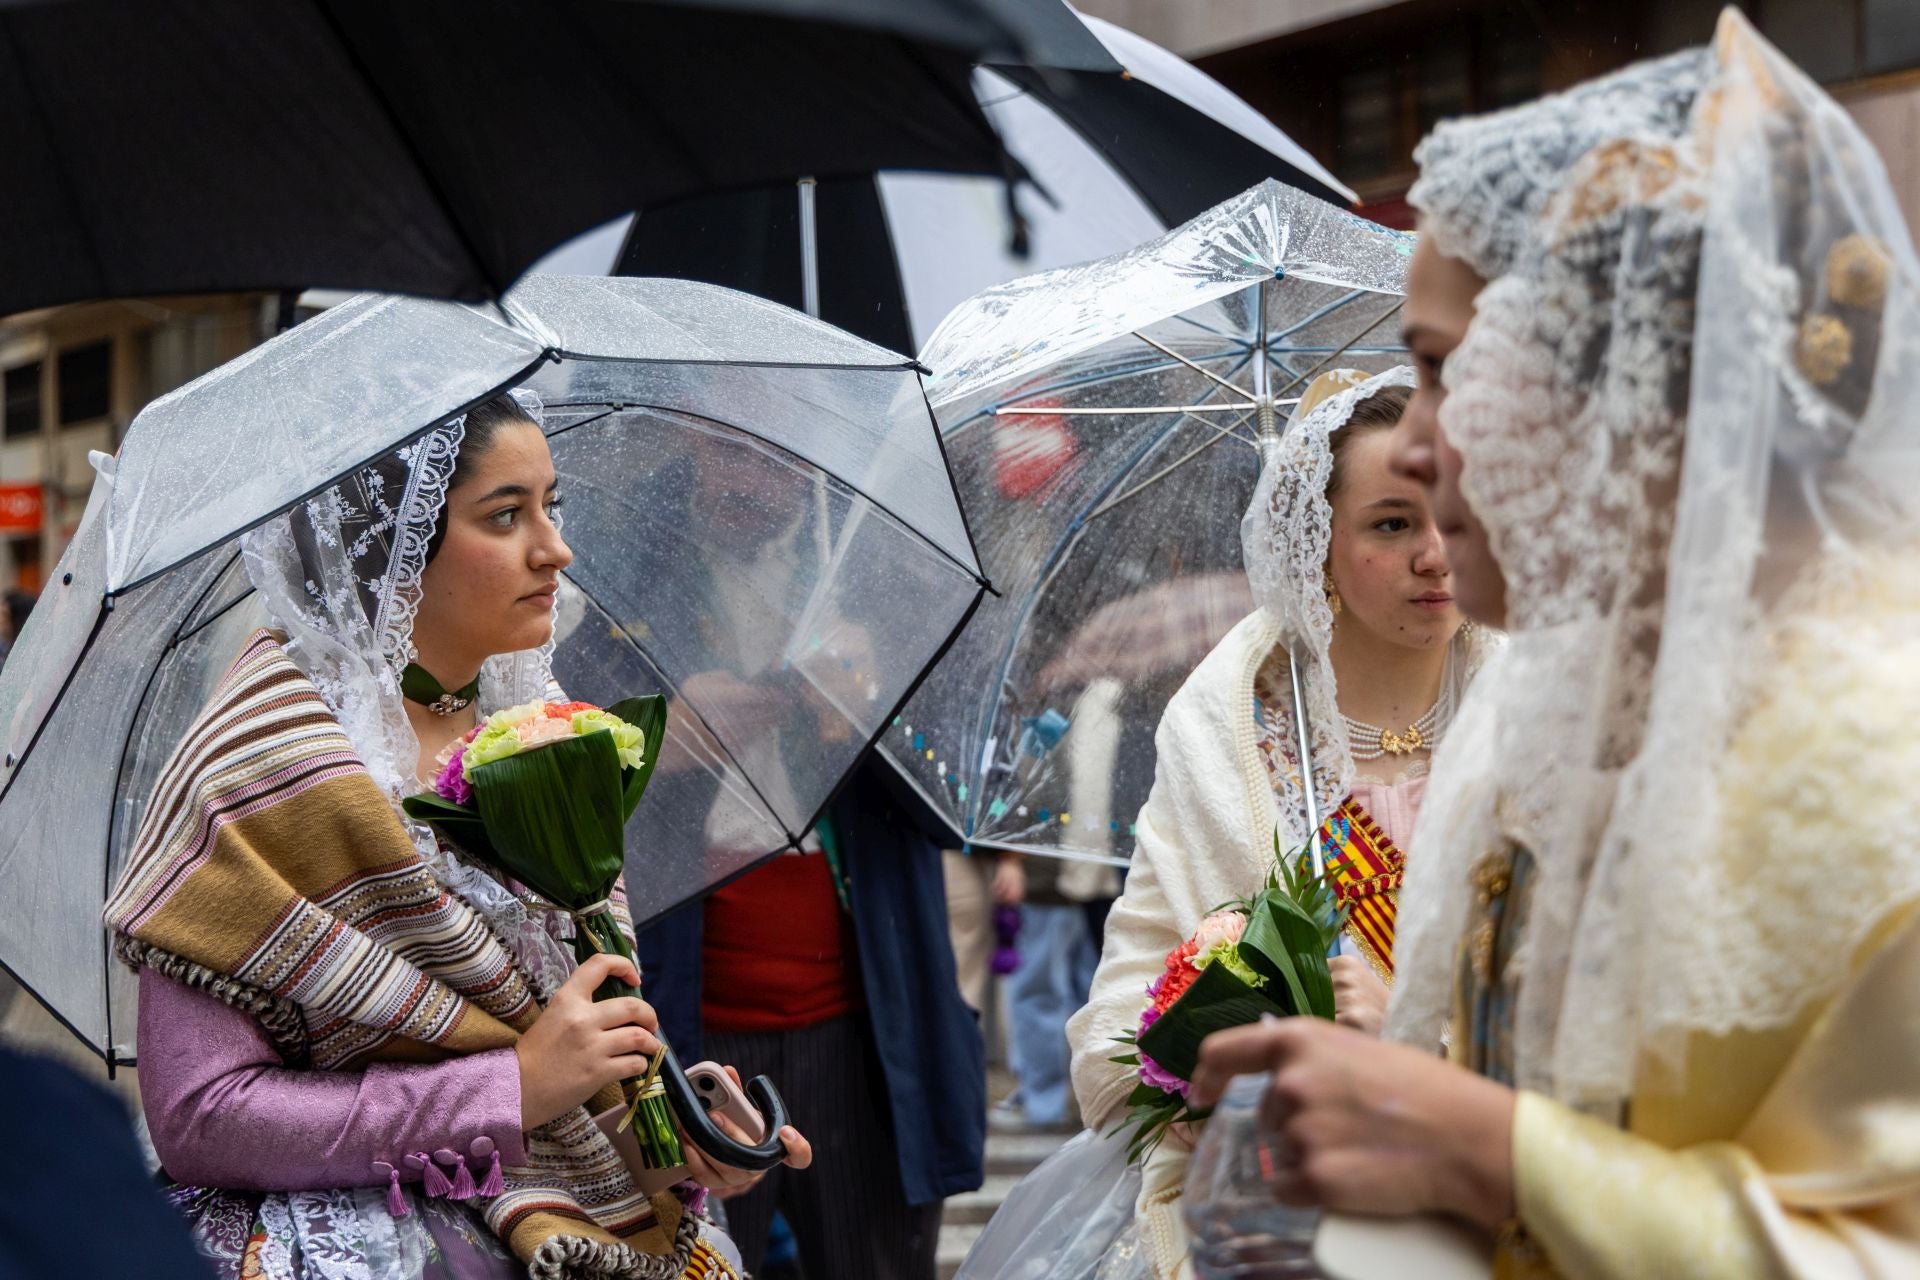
<point>778,949</point>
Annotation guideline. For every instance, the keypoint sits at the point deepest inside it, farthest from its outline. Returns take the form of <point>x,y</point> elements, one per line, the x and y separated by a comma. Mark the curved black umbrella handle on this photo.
<point>700,1129</point>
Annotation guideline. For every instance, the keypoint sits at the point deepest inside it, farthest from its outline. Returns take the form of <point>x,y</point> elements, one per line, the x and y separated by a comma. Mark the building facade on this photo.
<point>1359,83</point>
<point>73,379</point>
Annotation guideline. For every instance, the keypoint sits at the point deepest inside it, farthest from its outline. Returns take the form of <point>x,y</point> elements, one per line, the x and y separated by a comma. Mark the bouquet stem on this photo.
<point>647,1109</point>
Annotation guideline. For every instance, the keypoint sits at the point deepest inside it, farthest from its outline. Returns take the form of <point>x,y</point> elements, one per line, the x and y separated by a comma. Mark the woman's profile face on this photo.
<point>490,588</point>
<point>1439,306</point>
<point>1386,558</point>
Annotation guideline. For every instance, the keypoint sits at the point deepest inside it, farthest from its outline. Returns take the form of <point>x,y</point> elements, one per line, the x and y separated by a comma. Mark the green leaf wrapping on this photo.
<point>649,716</point>
<point>556,817</point>
<point>1288,947</point>
<point>1310,944</point>
<point>461,823</point>
<point>1216,1000</point>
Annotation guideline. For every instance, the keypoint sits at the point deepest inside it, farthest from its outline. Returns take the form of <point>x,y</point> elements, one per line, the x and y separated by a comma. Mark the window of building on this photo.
<point>1443,87</point>
<point>1368,146</point>
<point>1512,67</point>
<point>23,400</point>
<point>25,556</point>
<point>1890,35</point>
<point>85,375</point>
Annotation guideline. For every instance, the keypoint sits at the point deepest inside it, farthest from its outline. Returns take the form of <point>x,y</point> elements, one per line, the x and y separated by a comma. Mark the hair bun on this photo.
<point>1330,383</point>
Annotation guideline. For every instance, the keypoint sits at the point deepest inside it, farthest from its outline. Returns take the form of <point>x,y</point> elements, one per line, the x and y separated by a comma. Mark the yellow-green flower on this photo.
<point>1227,955</point>
<point>627,740</point>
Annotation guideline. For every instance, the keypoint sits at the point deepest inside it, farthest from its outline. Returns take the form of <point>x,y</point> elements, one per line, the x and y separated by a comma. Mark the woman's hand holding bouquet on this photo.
<point>579,1045</point>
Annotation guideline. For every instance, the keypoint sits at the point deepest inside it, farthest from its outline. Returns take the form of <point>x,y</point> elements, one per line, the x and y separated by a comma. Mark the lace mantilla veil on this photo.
<point>340,575</point>
<point>1284,538</point>
<point>1685,409</point>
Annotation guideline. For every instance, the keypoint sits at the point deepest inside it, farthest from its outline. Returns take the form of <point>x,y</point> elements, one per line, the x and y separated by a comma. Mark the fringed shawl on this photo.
<point>271,872</point>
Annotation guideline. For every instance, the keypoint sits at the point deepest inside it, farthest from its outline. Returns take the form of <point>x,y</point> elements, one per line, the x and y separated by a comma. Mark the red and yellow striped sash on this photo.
<point>1367,870</point>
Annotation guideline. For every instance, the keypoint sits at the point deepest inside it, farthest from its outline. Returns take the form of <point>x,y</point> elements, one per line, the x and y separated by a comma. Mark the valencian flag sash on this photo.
<point>1366,870</point>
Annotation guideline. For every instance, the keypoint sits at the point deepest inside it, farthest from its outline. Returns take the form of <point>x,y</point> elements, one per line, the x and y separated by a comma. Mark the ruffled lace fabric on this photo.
<point>1484,181</point>
<point>346,1232</point>
<point>1285,537</point>
<point>1684,413</point>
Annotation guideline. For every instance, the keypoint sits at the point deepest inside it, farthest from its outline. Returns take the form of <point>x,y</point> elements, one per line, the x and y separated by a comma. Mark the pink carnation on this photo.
<point>533,733</point>
<point>1151,1072</point>
<point>451,782</point>
<point>1221,926</point>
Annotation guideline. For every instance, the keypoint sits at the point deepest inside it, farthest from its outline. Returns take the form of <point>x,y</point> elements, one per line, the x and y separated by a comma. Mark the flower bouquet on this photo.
<point>1266,954</point>
<point>543,792</point>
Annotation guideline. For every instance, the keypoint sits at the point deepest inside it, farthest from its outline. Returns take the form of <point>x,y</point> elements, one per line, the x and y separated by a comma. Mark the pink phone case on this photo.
<point>721,1096</point>
<point>717,1093</point>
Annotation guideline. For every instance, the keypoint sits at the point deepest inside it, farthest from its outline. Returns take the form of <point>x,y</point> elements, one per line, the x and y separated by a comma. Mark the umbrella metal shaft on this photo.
<point>1314,849</point>
<point>809,250</point>
<point>1243,407</point>
<point>810,303</point>
<point>1262,369</point>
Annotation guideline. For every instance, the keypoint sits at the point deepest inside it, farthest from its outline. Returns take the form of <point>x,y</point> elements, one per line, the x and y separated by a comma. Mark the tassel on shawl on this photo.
<point>396,1199</point>
<point>436,1181</point>
<point>462,1185</point>
<point>493,1184</point>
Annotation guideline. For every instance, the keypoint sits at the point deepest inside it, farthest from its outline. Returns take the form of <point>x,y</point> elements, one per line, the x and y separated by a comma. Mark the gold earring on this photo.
<point>1333,593</point>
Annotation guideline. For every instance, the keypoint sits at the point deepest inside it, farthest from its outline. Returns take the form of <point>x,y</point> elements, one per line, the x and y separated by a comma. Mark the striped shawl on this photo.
<point>272,872</point>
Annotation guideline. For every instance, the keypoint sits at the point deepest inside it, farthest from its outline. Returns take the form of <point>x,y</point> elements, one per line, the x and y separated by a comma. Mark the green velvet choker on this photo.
<point>418,685</point>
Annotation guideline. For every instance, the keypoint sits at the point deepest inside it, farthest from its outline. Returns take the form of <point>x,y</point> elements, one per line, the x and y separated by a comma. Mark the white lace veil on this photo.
<point>1285,537</point>
<point>340,575</point>
<point>1685,410</point>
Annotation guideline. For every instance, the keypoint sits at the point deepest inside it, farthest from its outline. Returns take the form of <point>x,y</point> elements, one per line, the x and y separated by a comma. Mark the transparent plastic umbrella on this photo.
<point>709,444</point>
<point>1104,425</point>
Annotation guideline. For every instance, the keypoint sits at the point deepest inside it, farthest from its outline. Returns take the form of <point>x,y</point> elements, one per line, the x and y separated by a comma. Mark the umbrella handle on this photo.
<point>702,1132</point>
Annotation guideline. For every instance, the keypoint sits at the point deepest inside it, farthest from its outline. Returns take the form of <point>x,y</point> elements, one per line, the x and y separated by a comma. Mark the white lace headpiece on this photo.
<point>340,574</point>
<point>1285,537</point>
<point>1696,345</point>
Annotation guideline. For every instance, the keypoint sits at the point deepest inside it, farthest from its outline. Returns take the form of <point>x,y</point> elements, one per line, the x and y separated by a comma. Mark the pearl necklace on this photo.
<point>1370,742</point>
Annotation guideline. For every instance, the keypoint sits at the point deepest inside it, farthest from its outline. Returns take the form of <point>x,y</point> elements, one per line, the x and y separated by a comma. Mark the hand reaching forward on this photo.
<point>1371,1127</point>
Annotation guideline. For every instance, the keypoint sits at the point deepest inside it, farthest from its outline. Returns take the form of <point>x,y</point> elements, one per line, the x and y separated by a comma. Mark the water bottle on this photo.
<point>1239,1230</point>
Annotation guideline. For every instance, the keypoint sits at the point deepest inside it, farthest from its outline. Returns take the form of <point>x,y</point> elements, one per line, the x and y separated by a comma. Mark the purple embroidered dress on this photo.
<point>290,1174</point>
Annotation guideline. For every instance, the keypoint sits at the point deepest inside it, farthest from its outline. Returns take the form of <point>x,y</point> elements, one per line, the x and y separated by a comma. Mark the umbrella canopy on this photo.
<point>1103,422</point>
<point>764,528</point>
<point>439,146</point>
<point>1116,160</point>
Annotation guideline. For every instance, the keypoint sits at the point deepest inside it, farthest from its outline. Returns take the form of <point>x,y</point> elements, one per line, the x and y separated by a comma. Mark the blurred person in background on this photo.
<point>827,966</point>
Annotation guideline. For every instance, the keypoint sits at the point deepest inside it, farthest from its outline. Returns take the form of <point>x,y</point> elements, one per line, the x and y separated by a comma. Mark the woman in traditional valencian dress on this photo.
<point>1345,558</point>
<point>362,1054</point>
<point>1666,889</point>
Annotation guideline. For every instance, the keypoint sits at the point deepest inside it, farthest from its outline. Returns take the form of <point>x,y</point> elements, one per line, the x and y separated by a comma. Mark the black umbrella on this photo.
<point>440,146</point>
<point>1175,140</point>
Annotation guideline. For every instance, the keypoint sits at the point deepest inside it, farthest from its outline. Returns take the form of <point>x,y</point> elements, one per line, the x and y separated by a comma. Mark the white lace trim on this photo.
<point>430,462</point>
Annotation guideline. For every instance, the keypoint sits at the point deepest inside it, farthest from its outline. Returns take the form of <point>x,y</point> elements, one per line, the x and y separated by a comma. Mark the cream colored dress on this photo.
<point>1205,836</point>
<point>1787,1153</point>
